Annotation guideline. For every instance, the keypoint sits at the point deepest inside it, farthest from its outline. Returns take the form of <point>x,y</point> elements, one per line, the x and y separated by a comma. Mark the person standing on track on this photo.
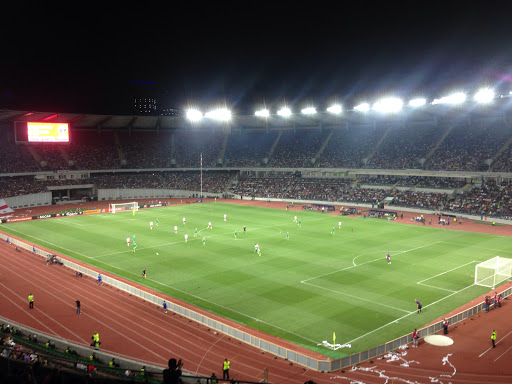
<point>415,338</point>
<point>31,301</point>
<point>493,338</point>
<point>77,307</point>
<point>225,369</point>
<point>164,305</point>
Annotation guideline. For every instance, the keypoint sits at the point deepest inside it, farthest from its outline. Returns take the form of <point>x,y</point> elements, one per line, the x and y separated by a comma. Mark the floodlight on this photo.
<point>262,113</point>
<point>335,109</point>
<point>309,111</point>
<point>194,115</point>
<point>388,105</point>
<point>455,98</point>
<point>417,102</point>
<point>221,114</point>
<point>484,96</point>
<point>285,112</point>
<point>363,107</point>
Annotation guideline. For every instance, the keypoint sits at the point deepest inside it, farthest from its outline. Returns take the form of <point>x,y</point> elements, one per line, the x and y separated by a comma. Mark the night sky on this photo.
<point>247,54</point>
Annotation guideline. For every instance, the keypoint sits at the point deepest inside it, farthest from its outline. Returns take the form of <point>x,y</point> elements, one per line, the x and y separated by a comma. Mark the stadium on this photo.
<point>289,217</point>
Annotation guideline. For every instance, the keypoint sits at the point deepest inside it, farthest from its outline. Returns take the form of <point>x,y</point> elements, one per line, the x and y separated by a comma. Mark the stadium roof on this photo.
<point>430,114</point>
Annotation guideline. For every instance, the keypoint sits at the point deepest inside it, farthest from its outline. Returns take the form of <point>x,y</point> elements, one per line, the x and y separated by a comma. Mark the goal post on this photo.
<point>119,207</point>
<point>493,271</point>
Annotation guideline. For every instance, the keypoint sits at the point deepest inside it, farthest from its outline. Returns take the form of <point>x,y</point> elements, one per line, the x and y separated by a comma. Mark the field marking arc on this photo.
<point>367,262</point>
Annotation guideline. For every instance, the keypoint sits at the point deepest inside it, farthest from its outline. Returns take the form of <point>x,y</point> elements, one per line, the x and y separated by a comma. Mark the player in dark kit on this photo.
<point>419,306</point>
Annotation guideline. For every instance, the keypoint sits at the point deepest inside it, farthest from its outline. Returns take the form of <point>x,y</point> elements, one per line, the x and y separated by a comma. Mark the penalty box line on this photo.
<point>409,314</point>
<point>368,262</point>
<point>442,273</point>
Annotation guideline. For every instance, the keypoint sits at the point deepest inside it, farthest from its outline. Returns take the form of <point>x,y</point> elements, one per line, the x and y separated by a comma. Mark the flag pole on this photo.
<point>201,177</point>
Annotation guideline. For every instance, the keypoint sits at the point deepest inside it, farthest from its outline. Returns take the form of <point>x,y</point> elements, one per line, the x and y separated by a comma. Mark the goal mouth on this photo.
<point>120,207</point>
<point>492,272</point>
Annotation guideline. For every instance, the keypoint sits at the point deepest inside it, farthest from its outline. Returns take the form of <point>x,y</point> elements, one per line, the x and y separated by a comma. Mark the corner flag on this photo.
<point>334,337</point>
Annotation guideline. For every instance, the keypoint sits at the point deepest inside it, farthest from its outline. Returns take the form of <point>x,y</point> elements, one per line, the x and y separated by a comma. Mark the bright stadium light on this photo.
<point>363,107</point>
<point>221,114</point>
<point>309,111</point>
<point>388,105</point>
<point>194,115</point>
<point>417,102</point>
<point>262,113</point>
<point>455,98</point>
<point>484,96</point>
<point>284,112</point>
<point>335,109</point>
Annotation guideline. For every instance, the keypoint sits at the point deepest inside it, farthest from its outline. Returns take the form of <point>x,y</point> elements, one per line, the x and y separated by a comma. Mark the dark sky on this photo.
<point>248,53</point>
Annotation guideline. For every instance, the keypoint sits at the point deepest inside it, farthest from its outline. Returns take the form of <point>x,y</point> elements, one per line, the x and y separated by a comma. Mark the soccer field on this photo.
<point>301,289</point>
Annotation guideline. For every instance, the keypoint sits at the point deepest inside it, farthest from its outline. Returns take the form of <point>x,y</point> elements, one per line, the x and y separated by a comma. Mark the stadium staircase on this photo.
<point>503,148</point>
<point>367,159</point>
<point>436,146</point>
<point>35,155</point>
<point>324,144</point>
<point>222,151</point>
<point>273,148</point>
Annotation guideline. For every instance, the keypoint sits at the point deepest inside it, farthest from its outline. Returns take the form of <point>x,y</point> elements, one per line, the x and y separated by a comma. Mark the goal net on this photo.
<point>119,207</point>
<point>493,271</point>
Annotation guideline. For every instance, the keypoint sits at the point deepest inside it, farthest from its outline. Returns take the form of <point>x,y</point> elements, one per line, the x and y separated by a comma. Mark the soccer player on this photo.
<point>256,248</point>
<point>128,241</point>
<point>295,219</point>
<point>245,229</point>
<point>156,222</point>
<point>204,240</point>
<point>332,232</point>
<point>195,232</point>
<point>210,225</point>
<point>418,305</point>
<point>287,235</point>
<point>144,273</point>
<point>388,258</point>
<point>134,246</point>
<point>133,238</point>
<point>225,217</point>
<point>339,224</point>
<point>184,221</point>
<point>235,234</point>
<point>300,223</point>
<point>175,229</point>
<point>186,238</point>
<point>151,225</point>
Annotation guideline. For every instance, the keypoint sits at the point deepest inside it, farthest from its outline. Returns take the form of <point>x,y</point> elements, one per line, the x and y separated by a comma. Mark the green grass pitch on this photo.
<point>301,289</point>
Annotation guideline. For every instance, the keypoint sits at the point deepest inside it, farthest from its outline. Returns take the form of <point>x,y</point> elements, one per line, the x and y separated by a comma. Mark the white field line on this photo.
<point>403,317</point>
<point>442,273</point>
<point>368,262</point>
<point>359,298</point>
<point>69,222</point>
<point>497,342</point>
<point>433,286</point>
